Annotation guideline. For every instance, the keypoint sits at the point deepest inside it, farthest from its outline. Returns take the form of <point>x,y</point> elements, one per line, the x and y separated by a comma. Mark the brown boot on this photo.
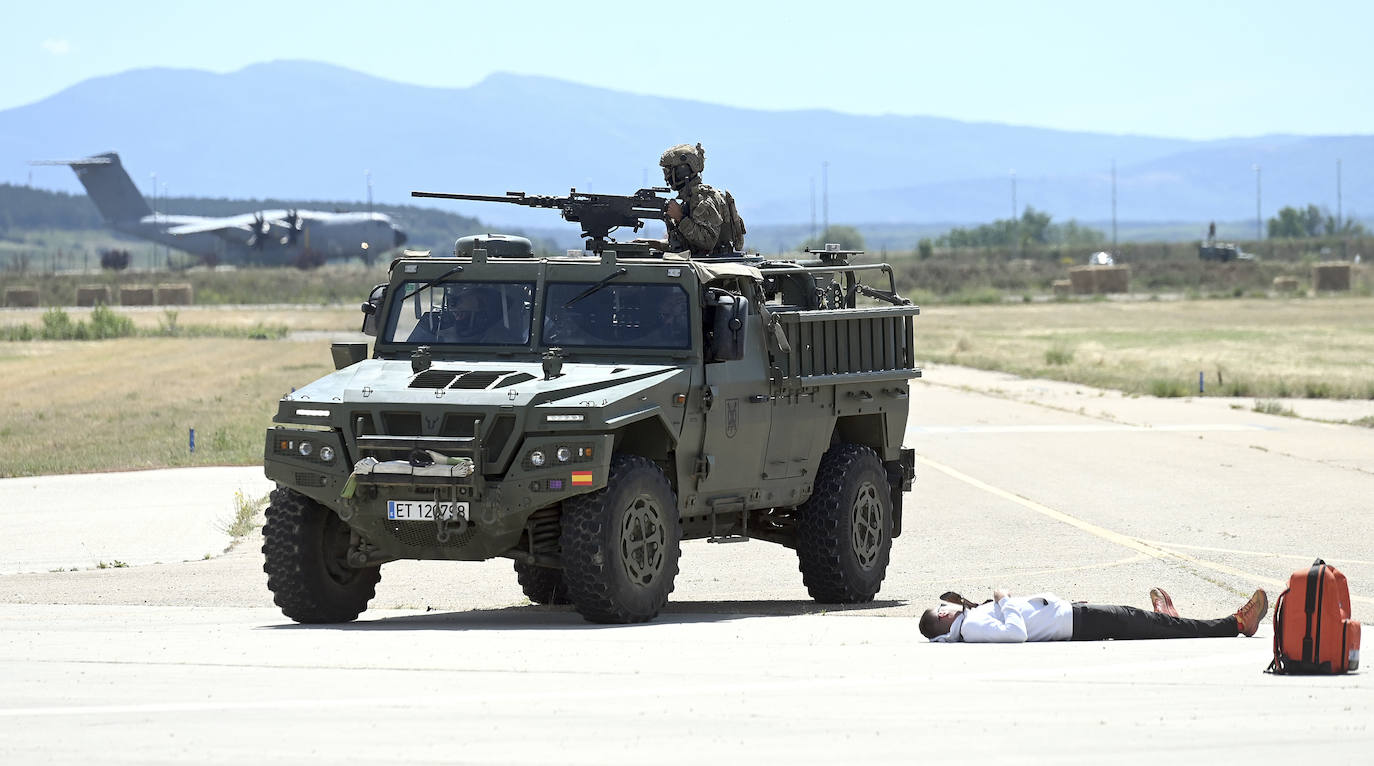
<point>1162,602</point>
<point>1248,617</point>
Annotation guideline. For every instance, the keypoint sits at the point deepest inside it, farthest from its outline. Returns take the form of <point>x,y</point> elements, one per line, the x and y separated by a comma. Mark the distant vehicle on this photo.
<point>1101,258</point>
<point>303,238</point>
<point>1222,252</point>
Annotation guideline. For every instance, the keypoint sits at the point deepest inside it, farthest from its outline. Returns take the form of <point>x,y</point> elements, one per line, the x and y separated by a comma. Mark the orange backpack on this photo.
<point>1313,632</point>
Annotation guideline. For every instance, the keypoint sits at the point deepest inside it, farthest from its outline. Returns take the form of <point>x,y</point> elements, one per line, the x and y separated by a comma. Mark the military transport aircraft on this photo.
<point>302,238</point>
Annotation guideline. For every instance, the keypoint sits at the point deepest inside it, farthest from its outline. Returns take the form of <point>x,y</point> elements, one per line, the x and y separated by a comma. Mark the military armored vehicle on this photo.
<point>582,415</point>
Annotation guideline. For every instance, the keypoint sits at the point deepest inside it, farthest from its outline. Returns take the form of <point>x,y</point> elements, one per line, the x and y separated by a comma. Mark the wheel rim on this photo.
<point>334,544</point>
<point>867,525</point>
<point>642,540</point>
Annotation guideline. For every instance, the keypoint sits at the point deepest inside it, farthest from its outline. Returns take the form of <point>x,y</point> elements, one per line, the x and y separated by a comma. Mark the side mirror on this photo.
<point>726,313</point>
<point>369,309</point>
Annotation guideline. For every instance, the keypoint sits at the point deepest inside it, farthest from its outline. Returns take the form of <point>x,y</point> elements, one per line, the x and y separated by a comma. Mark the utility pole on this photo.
<point>813,209</point>
<point>1113,208</point>
<point>368,174</point>
<point>1259,235</point>
<point>1338,196</point>
<point>1015,225</point>
<point>825,198</point>
<point>1013,196</point>
<point>153,264</point>
<point>166,250</point>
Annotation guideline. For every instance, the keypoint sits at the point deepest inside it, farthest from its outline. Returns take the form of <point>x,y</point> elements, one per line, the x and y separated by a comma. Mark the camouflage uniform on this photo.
<point>699,230</point>
<point>709,223</point>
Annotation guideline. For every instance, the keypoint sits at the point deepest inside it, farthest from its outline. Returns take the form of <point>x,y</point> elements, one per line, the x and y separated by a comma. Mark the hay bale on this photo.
<point>1331,276</point>
<point>1090,280</point>
<point>1286,284</point>
<point>1081,280</point>
<point>21,297</point>
<point>1061,287</point>
<point>176,294</point>
<point>136,295</point>
<point>92,295</point>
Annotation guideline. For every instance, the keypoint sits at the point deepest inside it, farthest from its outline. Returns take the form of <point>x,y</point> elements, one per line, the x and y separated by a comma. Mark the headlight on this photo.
<point>578,418</point>
<point>326,453</point>
<point>564,454</point>
<point>305,449</point>
<point>537,459</point>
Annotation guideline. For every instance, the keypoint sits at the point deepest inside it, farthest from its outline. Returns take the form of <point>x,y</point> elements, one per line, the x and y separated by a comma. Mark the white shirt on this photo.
<point>1014,619</point>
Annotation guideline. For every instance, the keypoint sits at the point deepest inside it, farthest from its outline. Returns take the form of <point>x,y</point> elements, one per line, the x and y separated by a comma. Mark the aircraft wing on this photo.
<point>242,223</point>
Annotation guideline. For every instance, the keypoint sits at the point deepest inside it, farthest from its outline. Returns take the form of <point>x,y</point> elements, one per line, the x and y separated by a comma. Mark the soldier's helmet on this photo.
<point>681,164</point>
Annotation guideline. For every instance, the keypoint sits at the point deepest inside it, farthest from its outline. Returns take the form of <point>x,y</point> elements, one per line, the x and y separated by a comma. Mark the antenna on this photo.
<point>368,174</point>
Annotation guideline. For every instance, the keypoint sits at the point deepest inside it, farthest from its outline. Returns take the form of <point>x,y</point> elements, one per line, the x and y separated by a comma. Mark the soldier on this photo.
<point>705,222</point>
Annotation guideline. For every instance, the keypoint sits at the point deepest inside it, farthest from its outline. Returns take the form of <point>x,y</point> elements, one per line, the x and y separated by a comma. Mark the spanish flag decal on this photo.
<point>582,478</point>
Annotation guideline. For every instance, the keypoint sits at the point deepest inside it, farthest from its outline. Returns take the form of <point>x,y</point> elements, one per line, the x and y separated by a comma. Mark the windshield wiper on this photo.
<point>432,282</point>
<point>617,273</point>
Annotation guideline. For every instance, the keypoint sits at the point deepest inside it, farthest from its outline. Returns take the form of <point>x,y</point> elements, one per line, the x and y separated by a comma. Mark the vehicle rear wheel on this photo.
<point>844,531</point>
<point>542,585</point>
<point>621,544</point>
<point>305,555</point>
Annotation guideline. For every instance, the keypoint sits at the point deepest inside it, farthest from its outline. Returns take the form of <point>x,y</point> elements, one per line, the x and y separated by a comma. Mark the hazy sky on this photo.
<point>1180,69</point>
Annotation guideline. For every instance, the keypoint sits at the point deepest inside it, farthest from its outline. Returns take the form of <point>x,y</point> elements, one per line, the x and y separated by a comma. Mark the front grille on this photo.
<point>309,479</point>
<point>422,535</point>
<point>401,423</point>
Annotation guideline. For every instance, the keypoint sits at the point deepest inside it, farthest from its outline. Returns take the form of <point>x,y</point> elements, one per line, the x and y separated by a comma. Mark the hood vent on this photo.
<point>472,380</point>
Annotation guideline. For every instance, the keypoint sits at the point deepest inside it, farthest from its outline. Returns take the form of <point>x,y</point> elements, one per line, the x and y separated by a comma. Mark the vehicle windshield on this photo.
<point>622,315</point>
<point>463,313</point>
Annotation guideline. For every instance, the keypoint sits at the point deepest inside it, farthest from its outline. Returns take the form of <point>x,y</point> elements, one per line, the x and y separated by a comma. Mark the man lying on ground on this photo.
<point>1046,617</point>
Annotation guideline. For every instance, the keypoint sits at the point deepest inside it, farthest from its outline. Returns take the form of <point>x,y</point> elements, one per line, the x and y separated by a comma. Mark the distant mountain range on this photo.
<point>299,130</point>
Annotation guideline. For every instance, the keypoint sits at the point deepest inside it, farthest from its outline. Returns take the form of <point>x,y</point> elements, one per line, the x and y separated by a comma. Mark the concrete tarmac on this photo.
<point>1032,485</point>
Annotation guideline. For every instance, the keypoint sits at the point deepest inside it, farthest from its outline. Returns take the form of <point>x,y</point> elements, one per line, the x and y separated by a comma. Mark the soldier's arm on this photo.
<point>702,228</point>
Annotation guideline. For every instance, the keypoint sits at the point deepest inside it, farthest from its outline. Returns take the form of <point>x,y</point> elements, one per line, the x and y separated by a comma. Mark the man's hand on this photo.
<point>674,210</point>
<point>999,594</point>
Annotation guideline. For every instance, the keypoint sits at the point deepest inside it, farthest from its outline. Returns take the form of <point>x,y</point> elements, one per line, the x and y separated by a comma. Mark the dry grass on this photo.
<point>1254,348</point>
<point>239,317</point>
<point>76,406</point>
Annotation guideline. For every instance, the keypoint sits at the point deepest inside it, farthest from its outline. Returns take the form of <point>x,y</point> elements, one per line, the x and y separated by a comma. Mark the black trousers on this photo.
<point>1099,622</point>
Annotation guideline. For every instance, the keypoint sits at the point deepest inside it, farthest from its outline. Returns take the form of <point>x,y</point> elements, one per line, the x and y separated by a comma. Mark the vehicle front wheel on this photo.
<point>844,531</point>
<point>621,544</point>
<point>542,585</point>
<point>305,555</point>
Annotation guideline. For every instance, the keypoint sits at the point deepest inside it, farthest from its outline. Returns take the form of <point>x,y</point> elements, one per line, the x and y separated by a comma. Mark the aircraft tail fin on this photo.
<point>109,187</point>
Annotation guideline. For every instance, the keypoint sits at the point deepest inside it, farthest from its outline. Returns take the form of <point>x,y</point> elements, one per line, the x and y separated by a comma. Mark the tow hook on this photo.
<point>447,520</point>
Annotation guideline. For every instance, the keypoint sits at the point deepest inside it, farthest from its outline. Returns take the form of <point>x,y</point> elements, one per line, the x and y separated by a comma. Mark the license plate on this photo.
<point>424,510</point>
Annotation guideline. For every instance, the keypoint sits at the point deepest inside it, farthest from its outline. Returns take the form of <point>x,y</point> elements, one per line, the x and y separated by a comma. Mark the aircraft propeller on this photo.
<point>261,228</point>
<point>293,228</point>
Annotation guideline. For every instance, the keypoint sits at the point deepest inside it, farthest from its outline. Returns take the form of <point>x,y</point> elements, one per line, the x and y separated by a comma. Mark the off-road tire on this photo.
<point>844,531</point>
<point>305,546</point>
<point>542,585</point>
<point>621,544</point>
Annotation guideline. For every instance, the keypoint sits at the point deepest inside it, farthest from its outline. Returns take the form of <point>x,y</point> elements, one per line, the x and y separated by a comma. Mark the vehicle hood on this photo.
<point>487,383</point>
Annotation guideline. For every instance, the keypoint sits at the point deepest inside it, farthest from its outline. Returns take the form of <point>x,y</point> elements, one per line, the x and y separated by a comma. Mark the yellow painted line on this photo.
<point>1256,554</point>
<point>1153,550</point>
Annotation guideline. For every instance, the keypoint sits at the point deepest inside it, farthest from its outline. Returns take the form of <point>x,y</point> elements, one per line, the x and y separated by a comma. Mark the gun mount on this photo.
<point>598,214</point>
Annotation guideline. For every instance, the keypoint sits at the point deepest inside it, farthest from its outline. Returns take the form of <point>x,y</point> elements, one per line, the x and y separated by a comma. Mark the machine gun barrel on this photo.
<point>598,214</point>
<point>514,198</point>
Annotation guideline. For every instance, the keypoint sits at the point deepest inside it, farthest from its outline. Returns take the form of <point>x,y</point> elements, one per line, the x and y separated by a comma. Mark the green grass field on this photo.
<point>127,403</point>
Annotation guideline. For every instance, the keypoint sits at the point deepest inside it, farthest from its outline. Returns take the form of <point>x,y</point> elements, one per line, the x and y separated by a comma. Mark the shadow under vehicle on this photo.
<point>582,415</point>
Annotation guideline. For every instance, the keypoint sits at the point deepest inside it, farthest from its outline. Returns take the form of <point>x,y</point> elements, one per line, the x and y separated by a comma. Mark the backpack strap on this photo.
<point>1314,582</point>
<point>1278,665</point>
